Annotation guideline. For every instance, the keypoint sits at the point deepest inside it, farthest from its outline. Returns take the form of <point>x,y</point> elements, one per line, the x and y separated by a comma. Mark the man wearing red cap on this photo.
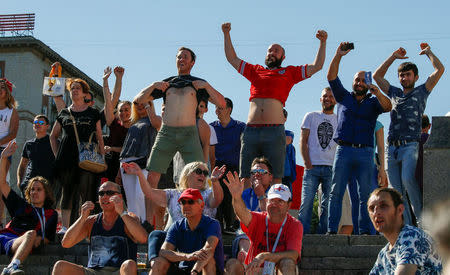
<point>275,236</point>
<point>193,243</point>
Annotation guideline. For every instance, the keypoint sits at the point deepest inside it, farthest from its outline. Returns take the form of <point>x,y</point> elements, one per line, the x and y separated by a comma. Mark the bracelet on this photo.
<point>147,106</point>
<point>125,212</point>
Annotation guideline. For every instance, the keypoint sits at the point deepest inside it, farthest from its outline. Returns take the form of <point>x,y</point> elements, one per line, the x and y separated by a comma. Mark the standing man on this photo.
<point>227,150</point>
<point>181,94</point>
<point>37,155</point>
<point>406,117</point>
<point>357,115</point>
<point>409,249</point>
<point>270,87</point>
<point>193,244</point>
<point>112,235</point>
<point>275,236</point>
<point>318,148</point>
<point>426,126</point>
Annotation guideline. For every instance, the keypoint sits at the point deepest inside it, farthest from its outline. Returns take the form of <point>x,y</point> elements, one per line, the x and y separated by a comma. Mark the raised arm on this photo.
<point>59,102</point>
<point>109,108</point>
<point>7,152</point>
<point>334,65</point>
<point>321,53</point>
<point>54,143</point>
<point>133,228</point>
<point>118,72</point>
<point>437,65</point>
<point>385,102</point>
<point>379,74</point>
<point>145,95</point>
<point>228,46</point>
<point>236,188</point>
<point>158,196</point>
<point>216,197</point>
<point>304,149</point>
<point>80,229</point>
<point>99,135</point>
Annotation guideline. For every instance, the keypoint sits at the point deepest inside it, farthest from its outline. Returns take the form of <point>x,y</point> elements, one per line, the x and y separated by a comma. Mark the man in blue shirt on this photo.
<point>409,249</point>
<point>406,117</point>
<point>357,113</point>
<point>194,243</point>
<point>227,151</point>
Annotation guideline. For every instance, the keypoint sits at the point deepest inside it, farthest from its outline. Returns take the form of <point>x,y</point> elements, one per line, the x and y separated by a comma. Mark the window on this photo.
<point>2,69</point>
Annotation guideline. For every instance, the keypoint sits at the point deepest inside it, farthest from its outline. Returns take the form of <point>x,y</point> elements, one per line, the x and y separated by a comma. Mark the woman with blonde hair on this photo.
<point>9,125</point>
<point>194,175</point>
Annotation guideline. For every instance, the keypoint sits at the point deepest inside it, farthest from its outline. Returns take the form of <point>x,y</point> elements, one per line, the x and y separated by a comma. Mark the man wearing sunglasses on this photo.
<point>112,235</point>
<point>193,244</point>
<point>37,156</point>
<point>275,236</point>
<point>260,178</point>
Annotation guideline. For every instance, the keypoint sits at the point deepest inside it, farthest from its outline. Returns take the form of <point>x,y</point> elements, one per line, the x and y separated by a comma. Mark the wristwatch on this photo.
<point>125,212</point>
<point>262,197</point>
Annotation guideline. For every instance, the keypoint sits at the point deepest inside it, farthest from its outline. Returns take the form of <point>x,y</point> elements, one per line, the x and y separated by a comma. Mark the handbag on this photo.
<point>88,156</point>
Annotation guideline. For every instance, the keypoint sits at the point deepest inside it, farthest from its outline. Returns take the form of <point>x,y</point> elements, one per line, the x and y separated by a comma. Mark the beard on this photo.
<point>276,63</point>
<point>410,86</point>
<point>329,108</point>
<point>360,92</point>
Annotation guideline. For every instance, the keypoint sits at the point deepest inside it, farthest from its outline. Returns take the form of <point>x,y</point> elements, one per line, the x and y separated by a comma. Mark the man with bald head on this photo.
<point>357,114</point>
<point>270,87</point>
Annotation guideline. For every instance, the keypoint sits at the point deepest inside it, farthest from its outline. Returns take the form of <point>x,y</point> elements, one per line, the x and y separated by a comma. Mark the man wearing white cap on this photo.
<point>275,236</point>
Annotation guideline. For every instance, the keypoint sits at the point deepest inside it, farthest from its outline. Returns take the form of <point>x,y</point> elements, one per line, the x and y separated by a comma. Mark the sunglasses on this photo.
<point>200,171</point>
<point>190,202</point>
<point>107,192</point>
<point>87,100</point>
<point>259,171</point>
<point>40,122</point>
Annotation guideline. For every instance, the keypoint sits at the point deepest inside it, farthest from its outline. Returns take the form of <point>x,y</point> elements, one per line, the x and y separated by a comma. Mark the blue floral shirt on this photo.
<point>413,246</point>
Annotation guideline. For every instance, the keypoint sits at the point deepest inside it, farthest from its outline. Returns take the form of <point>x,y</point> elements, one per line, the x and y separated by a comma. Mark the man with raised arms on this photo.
<point>270,87</point>
<point>181,94</point>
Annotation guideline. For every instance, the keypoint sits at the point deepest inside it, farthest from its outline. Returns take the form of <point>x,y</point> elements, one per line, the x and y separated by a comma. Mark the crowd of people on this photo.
<point>178,184</point>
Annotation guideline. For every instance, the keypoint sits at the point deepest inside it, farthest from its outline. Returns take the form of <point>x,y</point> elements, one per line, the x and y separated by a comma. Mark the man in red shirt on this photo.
<point>270,87</point>
<point>275,236</point>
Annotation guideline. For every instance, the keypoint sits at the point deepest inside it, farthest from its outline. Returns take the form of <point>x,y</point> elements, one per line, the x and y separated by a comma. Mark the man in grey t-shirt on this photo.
<point>408,105</point>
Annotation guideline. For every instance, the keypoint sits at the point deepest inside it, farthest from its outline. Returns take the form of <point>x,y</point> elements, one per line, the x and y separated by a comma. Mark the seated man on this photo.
<point>181,95</point>
<point>113,235</point>
<point>195,241</point>
<point>409,250</point>
<point>33,218</point>
<point>275,236</point>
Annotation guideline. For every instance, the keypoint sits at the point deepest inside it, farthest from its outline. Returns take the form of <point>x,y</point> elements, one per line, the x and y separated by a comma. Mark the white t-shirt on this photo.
<point>5,120</point>
<point>322,128</point>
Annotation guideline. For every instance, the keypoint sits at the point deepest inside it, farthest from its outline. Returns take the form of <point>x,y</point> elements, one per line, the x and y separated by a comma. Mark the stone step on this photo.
<point>336,263</point>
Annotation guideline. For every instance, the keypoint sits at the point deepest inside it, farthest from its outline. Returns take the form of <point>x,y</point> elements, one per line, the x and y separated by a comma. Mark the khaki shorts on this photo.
<point>170,140</point>
<point>108,270</point>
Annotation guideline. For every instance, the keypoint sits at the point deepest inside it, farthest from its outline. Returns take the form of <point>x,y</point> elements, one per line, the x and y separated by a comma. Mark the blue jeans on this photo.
<point>156,239</point>
<point>350,161</point>
<point>402,162</point>
<point>319,174</point>
<point>354,199</point>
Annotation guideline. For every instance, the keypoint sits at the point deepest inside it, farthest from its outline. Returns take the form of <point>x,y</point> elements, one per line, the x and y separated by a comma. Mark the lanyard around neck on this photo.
<point>278,235</point>
<point>41,220</point>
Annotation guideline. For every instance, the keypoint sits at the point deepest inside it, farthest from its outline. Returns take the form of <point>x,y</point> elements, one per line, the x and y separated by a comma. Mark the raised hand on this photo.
<point>235,185</point>
<point>107,72</point>
<point>9,150</point>
<point>226,27</point>
<point>373,89</point>
<point>322,35</point>
<point>119,71</point>
<point>118,203</point>
<point>217,172</point>
<point>86,209</point>
<point>339,50</point>
<point>131,168</point>
<point>400,53</point>
<point>425,48</point>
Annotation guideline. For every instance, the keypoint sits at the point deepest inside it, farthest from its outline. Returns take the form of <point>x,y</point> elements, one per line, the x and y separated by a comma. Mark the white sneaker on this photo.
<point>63,230</point>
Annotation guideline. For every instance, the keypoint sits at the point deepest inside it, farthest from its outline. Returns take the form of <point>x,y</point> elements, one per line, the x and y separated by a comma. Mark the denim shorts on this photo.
<point>269,142</point>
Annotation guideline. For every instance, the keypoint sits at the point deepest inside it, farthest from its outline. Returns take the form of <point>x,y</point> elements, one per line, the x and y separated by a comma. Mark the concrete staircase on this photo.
<point>337,254</point>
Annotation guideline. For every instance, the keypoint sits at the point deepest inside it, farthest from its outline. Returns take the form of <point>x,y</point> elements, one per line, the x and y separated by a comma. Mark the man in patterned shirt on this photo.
<point>410,250</point>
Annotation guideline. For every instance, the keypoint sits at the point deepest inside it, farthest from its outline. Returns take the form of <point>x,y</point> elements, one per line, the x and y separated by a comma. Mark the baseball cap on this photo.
<point>279,191</point>
<point>191,193</point>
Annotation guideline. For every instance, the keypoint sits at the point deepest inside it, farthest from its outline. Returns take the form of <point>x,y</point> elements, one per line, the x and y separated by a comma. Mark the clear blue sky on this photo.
<point>143,37</point>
